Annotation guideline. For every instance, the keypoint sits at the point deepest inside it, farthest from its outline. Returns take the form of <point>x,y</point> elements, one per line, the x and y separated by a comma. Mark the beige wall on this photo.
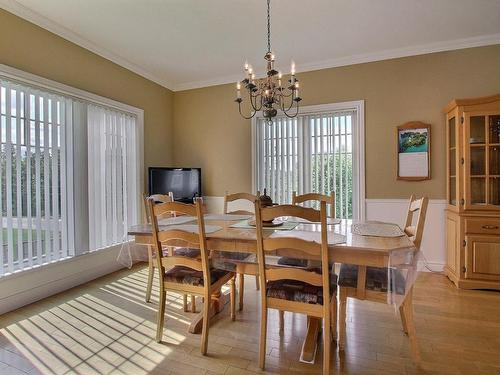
<point>208,131</point>
<point>28,47</point>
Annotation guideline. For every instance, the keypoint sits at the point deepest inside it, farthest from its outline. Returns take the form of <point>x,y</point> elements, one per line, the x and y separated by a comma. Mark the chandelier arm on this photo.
<point>291,105</point>
<point>296,112</point>
<point>242,115</point>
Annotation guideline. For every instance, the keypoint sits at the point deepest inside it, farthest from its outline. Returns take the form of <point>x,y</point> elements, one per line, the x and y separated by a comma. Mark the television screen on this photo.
<point>184,183</point>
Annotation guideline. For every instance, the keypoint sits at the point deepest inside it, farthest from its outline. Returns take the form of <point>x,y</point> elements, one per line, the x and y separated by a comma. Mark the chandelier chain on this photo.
<point>268,25</point>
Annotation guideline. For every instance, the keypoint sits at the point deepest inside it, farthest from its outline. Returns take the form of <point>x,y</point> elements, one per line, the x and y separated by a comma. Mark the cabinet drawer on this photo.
<point>482,226</point>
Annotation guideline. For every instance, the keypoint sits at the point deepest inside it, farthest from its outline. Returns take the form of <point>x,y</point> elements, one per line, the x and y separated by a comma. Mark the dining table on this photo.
<point>343,247</point>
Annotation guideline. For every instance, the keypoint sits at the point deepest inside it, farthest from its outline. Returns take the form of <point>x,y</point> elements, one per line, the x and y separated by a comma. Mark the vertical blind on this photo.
<point>112,174</point>
<point>33,172</point>
<point>309,153</point>
<point>37,166</point>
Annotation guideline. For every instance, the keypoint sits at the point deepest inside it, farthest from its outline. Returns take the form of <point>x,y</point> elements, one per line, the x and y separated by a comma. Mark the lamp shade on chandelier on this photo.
<point>271,93</point>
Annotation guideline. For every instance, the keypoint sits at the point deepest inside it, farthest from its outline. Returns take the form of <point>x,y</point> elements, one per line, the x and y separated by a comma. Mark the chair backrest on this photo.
<point>415,230</point>
<point>157,198</point>
<point>178,237</point>
<point>236,196</point>
<point>297,245</point>
<point>329,199</point>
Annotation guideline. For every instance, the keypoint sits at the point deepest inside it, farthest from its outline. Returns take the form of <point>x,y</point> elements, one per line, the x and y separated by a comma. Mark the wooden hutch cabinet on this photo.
<point>473,192</point>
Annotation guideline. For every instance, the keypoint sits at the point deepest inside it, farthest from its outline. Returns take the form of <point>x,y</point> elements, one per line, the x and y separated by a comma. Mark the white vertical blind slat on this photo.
<point>63,187</point>
<point>8,178</point>
<point>46,180</point>
<point>19,195</point>
<point>28,109</point>
<point>38,188</point>
<point>55,178</point>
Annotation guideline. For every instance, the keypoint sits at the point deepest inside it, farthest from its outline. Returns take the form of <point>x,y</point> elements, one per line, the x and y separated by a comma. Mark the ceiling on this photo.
<point>184,44</point>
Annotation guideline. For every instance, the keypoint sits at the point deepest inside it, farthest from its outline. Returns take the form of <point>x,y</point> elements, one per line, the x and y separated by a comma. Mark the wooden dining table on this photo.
<point>344,247</point>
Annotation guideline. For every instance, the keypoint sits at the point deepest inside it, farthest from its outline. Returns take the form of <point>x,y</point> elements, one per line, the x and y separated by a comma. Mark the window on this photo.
<point>321,150</point>
<point>52,144</point>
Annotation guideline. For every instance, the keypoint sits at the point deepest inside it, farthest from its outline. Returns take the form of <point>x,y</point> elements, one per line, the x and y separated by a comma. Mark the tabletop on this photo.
<point>343,244</point>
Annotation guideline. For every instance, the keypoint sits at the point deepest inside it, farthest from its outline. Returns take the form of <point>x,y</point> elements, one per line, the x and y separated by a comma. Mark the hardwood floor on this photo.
<point>106,327</point>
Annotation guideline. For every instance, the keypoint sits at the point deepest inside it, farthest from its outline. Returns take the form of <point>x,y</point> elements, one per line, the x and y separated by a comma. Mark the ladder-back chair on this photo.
<point>186,275</point>
<point>307,291</point>
<point>371,283</point>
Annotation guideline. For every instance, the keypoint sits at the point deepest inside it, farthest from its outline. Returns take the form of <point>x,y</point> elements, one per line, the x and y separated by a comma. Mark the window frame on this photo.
<point>57,88</point>
<point>358,106</point>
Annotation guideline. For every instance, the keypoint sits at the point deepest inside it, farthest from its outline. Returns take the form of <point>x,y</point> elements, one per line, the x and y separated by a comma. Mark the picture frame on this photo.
<point>413,151</point>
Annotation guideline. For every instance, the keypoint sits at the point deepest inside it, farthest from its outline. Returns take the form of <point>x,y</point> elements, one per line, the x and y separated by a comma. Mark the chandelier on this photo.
<point>270,93</point>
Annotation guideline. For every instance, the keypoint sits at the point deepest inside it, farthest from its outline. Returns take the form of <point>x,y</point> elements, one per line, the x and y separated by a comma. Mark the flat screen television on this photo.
<point>184,183</point>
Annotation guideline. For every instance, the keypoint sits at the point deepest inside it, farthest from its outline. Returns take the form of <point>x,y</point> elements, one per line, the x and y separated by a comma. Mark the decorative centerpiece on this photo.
<point>266,201</point>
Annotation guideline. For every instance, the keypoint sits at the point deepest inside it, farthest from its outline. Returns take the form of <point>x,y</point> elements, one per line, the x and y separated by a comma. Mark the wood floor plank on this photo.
<point>105,327</point>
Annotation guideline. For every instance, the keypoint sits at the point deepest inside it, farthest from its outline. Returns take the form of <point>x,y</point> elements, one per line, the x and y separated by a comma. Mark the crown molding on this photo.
<point>450,45</point>
<point>20,10</point>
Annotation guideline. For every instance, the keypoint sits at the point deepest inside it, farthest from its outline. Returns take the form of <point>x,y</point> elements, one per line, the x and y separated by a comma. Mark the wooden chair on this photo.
<point>157,198</point>
<point>241,275</point>
<point>163,198</point>
<point>370,283</point>
<point>307,291</point>
<point>329,199</point>
<point>186,275</point>
<point>297,200</point>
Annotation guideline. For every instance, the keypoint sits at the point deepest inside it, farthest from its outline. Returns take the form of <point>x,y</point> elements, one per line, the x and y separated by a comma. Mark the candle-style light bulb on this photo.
<point>293,68</point>
<point>246,65</point>
<point>279,79</point>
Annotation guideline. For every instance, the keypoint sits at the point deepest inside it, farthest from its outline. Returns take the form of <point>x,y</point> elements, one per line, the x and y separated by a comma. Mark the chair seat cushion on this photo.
<point>186,275</point>
<point>292,262</point>
<point>299,291</point>
<point>181,251</point>
<point>229,260</point>
<point>376,278</point>
<point>187,252</point>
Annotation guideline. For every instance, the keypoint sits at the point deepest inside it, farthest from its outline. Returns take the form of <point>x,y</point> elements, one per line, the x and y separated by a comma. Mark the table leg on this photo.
<point>310,344</point>
<point>217,303</point>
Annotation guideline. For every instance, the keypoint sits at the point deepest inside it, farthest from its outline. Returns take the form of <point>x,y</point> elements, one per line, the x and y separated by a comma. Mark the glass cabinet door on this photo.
<point>477,162</point>
<point>483,160</point>
<point>494,159</point>
<point>452,158</point>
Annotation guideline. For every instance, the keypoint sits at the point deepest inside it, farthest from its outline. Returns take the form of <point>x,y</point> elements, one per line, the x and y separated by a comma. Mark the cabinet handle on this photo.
<point>490,226</point>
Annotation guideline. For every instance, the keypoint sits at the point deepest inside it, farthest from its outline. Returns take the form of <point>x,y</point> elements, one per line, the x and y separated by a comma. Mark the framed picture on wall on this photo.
<point>413,151</point>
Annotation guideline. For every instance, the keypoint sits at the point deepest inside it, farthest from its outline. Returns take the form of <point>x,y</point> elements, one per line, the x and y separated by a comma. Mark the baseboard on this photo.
<point>26,287</point>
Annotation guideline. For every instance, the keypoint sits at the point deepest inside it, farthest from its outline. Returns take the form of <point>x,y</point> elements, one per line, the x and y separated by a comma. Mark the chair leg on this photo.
<point>263,338</point>
<point>257,283</point>
<point>326,343</point>
<point>333,319</point>
<point>410,325</point>
<point>241,289</point>
<point>342,317</point>
<point>403,319</point>
<point>206,324</point>
<point>151,271</point>
<point>161,315</point>
<point>232,284</point>
<point>282,320</point>
<point>185,302</point>
<point>193,303</point>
